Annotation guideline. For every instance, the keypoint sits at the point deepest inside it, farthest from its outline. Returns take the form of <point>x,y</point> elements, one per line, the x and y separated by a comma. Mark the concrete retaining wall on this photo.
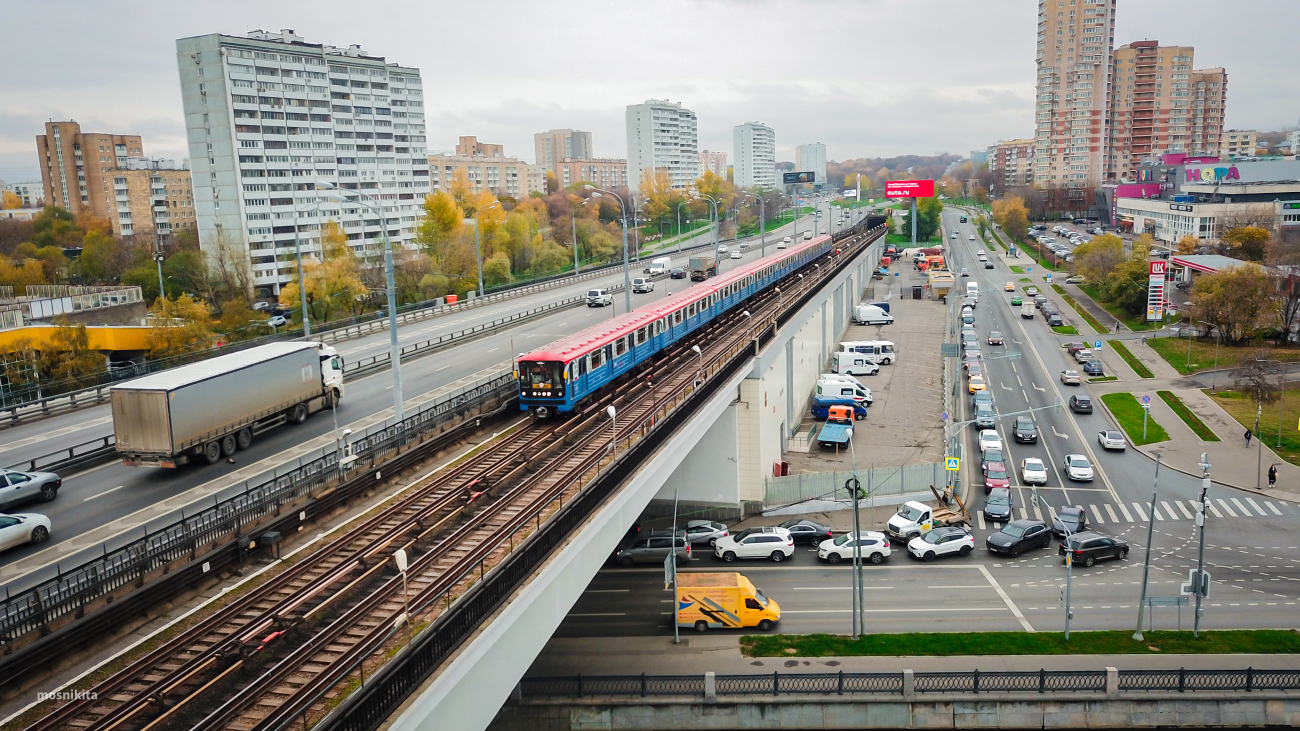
<point>1072,711</point>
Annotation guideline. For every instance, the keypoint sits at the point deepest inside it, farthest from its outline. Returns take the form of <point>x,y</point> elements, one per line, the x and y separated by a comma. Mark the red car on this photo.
<point>995,338</point>
<point>995,475</point>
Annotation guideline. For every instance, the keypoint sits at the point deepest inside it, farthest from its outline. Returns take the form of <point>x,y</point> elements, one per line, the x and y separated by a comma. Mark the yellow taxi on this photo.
<point>1010,287</point>
<point>976,384</point>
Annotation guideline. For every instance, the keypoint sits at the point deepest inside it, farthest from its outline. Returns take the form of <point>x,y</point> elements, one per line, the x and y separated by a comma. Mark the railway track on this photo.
<point>273,656</point>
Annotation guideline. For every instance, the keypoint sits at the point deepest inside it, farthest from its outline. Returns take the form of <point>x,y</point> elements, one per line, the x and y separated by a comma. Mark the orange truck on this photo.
<point>723,601</point>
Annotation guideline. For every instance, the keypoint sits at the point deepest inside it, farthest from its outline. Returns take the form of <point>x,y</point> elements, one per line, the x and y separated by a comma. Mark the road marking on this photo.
<point>606,591</point>
<point>1255,505</point>
<point>1141,513</point>
<point>102,494</point>
<point>1004,386</point>
<point>604,614</point>
<point>1169,510</point>
<point>891,611</point>
<point>435,370</point>
<point>1037,387</point>
<point>1096,513</point>
<point>1006,599</point>
<point>1189,514</point>
<point>959,586</point>
<point>1013,368</point>
<point>1227,507</point>
<point>1051,511</point>
<point>1156,512</point>
<point>1022,383</point>
<point>1059,434</point>
<point>836,588</point>
<point>980,517</point>
<point>1244,512</point>
<point>1127,517</point>
<point>1038,513</point>
<point>1210,506</point>
<point>1111,512</point>
<point>1022,393</point>
<point>1273,508</point>
<point>54,433</point>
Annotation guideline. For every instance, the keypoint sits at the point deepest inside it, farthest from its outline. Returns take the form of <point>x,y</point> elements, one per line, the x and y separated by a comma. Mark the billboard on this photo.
<point>909,189</point>
<point>796,178</point>
<point>1156,291</point>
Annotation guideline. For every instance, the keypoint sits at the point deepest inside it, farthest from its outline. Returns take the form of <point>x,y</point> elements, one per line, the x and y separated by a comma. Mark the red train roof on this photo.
<point>584,341</point>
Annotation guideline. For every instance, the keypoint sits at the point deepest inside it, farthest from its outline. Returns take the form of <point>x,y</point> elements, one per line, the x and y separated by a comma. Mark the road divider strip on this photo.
<point>1191,419</point>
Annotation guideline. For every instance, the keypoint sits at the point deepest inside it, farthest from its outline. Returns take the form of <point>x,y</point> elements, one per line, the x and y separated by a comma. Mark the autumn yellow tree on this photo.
<point>10,200</point>
<point>332,284</point>
<point>1248,242</point>
<point>29,271</point>
<point>1010,213</point>
<point>77,364</point>
<point>180,326</point>
<point>443,221</point>
<point>1187,244</point>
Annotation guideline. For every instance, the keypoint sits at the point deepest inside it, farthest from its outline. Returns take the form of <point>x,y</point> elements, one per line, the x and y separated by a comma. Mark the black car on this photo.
<point>998,504</point>
<point>988,264</point>
<point>677,273</point>
<point>1088,548</point>
<point>990,456</point>
<point>1094,368</point>
<point>1055,321</point>
<point>1081,404</point>
<point>1071,518</point>
<point>1019,536</point>
<point>969,302</point>
<point>807,531</point>
<point>1026,430</point>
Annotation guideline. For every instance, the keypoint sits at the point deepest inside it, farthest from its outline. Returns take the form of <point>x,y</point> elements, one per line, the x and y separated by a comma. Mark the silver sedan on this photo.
<point>1070,377</point>
<point>20,487</point>
<point>1111,439</point>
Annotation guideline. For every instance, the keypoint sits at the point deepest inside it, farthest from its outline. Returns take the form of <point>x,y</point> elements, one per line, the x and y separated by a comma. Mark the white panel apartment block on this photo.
<point>661,135</point>
<point>269,116</point>
<point>811,157</point>
<point>755,150</point>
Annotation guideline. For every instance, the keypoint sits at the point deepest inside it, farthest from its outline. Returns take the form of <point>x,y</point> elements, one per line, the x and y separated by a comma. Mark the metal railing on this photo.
<point>90,452</point>
<point>36,609</point>
<point>965,682</point>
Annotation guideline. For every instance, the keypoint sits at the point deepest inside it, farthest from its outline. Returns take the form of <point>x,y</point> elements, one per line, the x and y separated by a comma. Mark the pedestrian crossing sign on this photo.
<point>954,463</point>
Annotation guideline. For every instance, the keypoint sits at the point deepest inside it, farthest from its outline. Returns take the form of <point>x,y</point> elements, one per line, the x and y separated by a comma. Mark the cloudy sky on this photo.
<point>866,77</point>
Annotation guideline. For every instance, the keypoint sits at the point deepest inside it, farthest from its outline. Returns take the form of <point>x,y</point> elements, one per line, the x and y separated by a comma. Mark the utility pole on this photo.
<point>1146,563</point>
<point>914,246</point>
<point>1200,586</point>
<point>574,218</point>
<point>1069,580</point>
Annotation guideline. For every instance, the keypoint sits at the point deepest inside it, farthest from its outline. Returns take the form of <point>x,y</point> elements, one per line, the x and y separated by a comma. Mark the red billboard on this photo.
<point>909,189</point>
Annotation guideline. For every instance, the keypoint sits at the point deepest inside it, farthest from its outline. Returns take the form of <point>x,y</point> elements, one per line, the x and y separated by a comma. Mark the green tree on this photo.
<point>496,270</point>
<point>1096,259</point>
<point>927,218</point>
<point>1236,301</point>
<point>103,258</point>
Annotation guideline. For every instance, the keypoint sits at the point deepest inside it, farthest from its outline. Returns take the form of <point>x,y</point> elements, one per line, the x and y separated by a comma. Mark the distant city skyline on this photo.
<point>934,104</point>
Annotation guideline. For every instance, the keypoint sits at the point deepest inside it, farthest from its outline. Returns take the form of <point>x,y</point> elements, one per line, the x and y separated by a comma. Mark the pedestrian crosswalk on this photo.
<point>1163,510</point>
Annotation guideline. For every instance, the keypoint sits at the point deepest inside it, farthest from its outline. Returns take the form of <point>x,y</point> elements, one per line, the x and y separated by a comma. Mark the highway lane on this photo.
<point>32,439</point>
<point>113,494</point>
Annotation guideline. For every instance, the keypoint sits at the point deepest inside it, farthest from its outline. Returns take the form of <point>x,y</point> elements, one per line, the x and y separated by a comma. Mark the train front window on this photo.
<point>544,374</point>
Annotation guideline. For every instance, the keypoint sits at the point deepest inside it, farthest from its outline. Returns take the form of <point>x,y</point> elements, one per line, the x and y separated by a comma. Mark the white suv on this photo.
<point>642,284</point>
<point>774,543</point>
<point>599,298</point>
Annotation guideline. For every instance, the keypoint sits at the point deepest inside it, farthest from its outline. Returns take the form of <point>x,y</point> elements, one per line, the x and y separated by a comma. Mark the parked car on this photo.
<point>1082,355</point>
<point>748,544</point>
<point>1031,291</point>
<point>20,487</point>
<point>995,338</point>
<point>989,439</point>
<point>871,545</point>
<point>1069,519</point>
<point>642,284</point>
<point>998,504</point>
<point>678,273</point>
<point>19,528</point>
<point>1076,279</point>
<point>1055,321</point>
<point>1077,467</point>
<point>976,384</point>
<point>806,531</point>
<point>654,549</point>
<point>1026,431</point>
<point>277,321</point>
<point>1019,536</point>
<point>1070,377</point>
<point>1081,404</point>
<point>1094,368</point>
<point>1033,471</point>
<point>1088,548</point>
<point>944,541</point>
<point>705,531</point>
<point>1111,439</point>
<point>995,475</point>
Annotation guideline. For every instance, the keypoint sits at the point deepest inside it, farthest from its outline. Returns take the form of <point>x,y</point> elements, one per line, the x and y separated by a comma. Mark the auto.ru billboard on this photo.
<point>909,189</point>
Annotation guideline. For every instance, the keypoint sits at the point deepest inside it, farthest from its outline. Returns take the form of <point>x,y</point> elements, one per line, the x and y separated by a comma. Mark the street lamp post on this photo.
<point>302,283</point>
<point>627,278</point>
<point>1146,563</point>
<point>717,239</point>
<point>762,225</point>
<point>1200,585</point>
<point>613,429</point>
<point>478,246</point>
<point>400,557</point>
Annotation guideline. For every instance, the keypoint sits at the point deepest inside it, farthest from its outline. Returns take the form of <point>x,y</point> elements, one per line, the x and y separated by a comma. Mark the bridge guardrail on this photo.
<point>78,455</point>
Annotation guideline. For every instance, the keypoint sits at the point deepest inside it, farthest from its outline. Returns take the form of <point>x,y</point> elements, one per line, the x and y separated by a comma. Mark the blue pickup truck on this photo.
<point>821,406</point>
<point>838,428</point>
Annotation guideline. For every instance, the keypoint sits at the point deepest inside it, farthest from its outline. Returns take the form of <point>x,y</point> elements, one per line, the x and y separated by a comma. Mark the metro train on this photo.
<point>555,378</point>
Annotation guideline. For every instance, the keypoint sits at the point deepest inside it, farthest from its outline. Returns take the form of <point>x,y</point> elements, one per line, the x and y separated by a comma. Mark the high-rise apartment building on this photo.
<point>1238,143</point>
<point>1013,163</point>
<point>607,173</point>
<point>31,194</point>
<point>1160,104</point>
<point>662,135</point>
<point>76,167</point>
<point>715,161</point>
<point>811,158</point>
<point>154,199</point>
<point>272,119</point>
<point>755,149</point>
<point>1075,38</point>
<point>557,145</point>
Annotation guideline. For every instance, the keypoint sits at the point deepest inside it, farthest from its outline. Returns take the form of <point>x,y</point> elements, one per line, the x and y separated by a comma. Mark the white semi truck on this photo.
<point>208,410</point>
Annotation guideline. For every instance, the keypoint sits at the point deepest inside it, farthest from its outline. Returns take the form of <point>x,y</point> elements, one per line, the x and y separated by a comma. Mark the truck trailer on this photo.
<point>211,409</point>
<point>703,267</point>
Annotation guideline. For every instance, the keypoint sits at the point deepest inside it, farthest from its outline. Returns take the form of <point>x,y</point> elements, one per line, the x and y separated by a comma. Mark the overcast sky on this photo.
<point>866,77</point>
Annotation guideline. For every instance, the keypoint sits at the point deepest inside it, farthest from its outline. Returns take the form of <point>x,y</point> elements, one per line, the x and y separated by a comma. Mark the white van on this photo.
<point>871,315</point>
<point>973,290</point>
<point>853,364</point>
<point>783,243</point>
<point>843,389</point>
<point>642,284</point>
<point>846,378</point>
<point>659,267</point>
<point>879,351</point>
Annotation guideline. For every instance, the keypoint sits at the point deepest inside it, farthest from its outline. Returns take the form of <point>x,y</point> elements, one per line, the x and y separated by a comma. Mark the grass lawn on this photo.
<point>1065,330</point>
<point>1128,412</point>
<point>1103,379</point>
<point>1242,408</point>
<point>1116,642</point>
<point>907,239</point>
<point>1138,366</point>
<point>1132,322</point>
<point>1087,316</point>
<point>1174,350</point>
<point>1188,417</point>
<point>1016,269</point>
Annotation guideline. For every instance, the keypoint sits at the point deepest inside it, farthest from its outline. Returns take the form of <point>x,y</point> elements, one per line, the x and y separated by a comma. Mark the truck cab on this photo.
<point>911,520</point>
<point>331,373</point>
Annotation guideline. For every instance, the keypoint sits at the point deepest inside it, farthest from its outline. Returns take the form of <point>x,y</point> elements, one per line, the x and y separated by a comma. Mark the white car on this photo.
<point>989,439</point>
<point>643,284</point>
<point>1033,471</point>
<point>736,254</point>
<point>599,297</point>
<point>872,545</point>
<point>1111,439</point>
<point>723,249</point>
<point>19,528</point>
<point>971,237</point>
<point>941,542</point>
<point>954,235</point>
<point>773,543</point>
<point>277,321</point>
<point>783,243</point>
<point>1077,467</point>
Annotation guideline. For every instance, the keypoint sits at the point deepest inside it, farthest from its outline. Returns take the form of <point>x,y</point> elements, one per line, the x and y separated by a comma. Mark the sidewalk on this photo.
<point>720,653</point>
